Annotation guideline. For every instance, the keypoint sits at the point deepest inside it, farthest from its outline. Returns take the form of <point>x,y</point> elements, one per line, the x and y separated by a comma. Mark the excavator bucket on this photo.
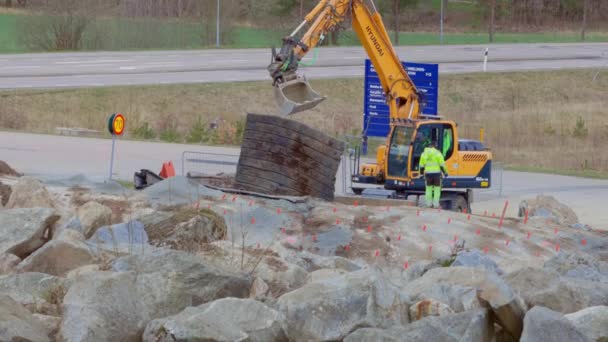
<point>296,96</point>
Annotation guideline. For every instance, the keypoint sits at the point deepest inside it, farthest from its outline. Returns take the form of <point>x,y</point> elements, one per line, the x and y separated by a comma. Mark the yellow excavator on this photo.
<point>468,162</point>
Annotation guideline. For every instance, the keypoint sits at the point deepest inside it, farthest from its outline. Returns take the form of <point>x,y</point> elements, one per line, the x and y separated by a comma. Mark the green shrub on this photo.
<point>199,132</point>
<point>170,134</point>
<point>144,131</point>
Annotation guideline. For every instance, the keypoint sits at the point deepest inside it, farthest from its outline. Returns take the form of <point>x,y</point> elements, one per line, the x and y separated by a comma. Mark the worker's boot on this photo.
<point>436,196</point>
<point>428,196</point>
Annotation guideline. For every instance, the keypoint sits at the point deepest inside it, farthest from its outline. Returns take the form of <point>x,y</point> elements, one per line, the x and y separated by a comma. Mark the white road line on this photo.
<point>96,61</point>
<point>127,68</point>
<point>20,67</point>
<point>349,57</point>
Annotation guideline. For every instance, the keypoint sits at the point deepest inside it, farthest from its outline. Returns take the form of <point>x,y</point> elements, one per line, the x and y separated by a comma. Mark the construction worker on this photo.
<point>432,165</point>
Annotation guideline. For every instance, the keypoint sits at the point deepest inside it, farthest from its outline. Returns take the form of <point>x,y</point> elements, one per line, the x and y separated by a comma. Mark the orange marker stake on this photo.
<point>376,253</point>
<point>406,265</point>
<point>424,228</point>
<point>335,209</point>
<point>347,247</point>
<point>504,211</point>
<point>526,218</point>
<point>430,248</point>
<point>557,248</point>
<point>337,221</point>
<point>529,235</point>
<point>314,237</point>
<point>469,217</point>
<point>449,220</point>
<point>278,211</point>
<point>283,230</point>
<point>369,229</point>
<point>478,231</point>
<point>485,250</point>
<point>399,237</point>
<point>584,242</point>
<point>356,203</point>
<point>253,220</point>
<point>455,238</point>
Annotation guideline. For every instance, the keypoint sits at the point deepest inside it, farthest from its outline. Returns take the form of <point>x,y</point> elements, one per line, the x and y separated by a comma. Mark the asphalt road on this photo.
<point>59,157</point>
<point>61,70</point>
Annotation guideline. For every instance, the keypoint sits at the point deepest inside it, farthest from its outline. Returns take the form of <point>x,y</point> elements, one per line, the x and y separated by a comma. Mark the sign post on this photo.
<point>376,115</point>
<point>116,126</point>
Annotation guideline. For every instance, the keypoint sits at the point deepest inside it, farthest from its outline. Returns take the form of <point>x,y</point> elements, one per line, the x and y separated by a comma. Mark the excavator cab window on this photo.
<point>429,132</point>
<point>399,151</point>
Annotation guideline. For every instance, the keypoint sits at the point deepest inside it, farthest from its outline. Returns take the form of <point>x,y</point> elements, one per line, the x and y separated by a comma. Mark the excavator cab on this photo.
<point>295,96</point>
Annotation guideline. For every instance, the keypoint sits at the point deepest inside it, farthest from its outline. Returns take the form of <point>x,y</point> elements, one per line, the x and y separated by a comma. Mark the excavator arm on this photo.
<point>294,94</point>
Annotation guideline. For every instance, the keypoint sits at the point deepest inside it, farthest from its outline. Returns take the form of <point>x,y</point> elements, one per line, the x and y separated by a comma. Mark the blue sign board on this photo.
<point>376,116</point>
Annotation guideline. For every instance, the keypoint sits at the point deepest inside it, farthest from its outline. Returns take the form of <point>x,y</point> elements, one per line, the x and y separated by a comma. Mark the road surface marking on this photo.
<point>127,68</point>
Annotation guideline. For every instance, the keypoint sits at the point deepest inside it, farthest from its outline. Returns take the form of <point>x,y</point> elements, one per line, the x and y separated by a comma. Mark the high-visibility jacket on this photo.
<point>432,160</point>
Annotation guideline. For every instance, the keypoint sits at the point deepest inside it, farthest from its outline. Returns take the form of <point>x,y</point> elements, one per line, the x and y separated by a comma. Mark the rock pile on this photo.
<point>222,267</point>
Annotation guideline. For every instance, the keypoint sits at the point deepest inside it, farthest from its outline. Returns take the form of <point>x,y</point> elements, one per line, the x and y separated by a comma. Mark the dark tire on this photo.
<point>284,157</point>
<point>460,205</point>
<point>357,191</point>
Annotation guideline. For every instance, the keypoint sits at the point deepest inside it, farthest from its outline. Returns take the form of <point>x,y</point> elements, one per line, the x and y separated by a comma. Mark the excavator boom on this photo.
<point>294,94</point>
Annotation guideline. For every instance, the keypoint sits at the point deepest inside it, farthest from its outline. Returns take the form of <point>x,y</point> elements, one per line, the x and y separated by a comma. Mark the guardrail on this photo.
<point>209,163</point>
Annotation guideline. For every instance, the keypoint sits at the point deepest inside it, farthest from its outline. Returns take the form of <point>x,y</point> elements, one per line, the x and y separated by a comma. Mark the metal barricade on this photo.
<point>207,163</point>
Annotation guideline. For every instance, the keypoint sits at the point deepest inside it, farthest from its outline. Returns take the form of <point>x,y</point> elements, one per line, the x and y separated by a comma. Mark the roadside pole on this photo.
<point>116,126</point>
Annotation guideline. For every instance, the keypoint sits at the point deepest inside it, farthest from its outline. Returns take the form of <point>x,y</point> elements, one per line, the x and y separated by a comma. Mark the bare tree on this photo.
<point>492,20</point>
<point>585,11</point>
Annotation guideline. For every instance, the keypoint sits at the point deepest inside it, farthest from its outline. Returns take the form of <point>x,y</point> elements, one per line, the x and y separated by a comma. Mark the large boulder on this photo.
<point>184,228</point>
<point>38,292</point>
<point>93,215</point>
<point>548,207</point>
<point>472,326</point>
<point>476,259</point>
<point>592,322</point>
<point>507,306</point>
<point>546,287</point>
<point>116,306</point>
<point>22,231</point>
<point>59,256</point>
<point>123,238</point>
<point>18,324</point>
<point>228,319</point>
<point>542,324</point>
<point>333,307</point>
<point>29,192</point>
<point>578,266</point>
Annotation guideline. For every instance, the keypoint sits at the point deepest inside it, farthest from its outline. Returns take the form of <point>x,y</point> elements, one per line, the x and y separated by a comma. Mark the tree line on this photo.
<point>62,24</point>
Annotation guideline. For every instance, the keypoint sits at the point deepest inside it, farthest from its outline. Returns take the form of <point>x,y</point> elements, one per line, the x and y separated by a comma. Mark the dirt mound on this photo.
<point>6,170</point>
<point>185,229</point>
<point>549,207</point>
